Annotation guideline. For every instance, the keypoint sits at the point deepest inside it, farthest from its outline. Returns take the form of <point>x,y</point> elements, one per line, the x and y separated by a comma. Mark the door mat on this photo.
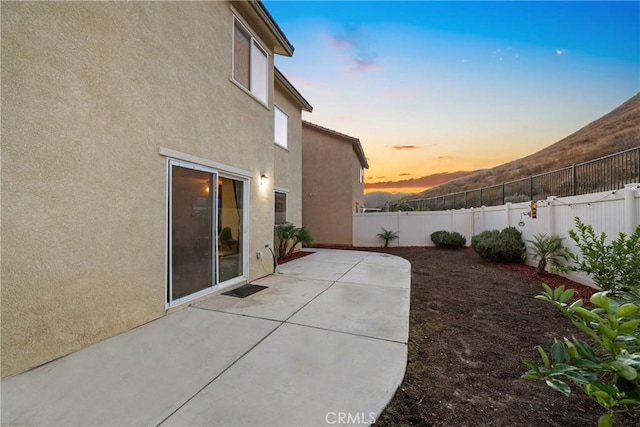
<point>244,291</point>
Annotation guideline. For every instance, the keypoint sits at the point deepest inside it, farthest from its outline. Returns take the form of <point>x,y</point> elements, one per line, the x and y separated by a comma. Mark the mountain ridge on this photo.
<point>616,131</point>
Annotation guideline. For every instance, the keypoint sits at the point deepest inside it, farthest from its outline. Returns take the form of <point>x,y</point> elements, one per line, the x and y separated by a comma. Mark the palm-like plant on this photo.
<point>387,236</point>
<point>300,236</point>
<point>547,250</point>
<point>285,232</point>
<point>289,236</point>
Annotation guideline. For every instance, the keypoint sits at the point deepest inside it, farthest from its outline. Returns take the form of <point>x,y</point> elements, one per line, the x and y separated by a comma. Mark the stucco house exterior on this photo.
<point>143,147</point>
<point>332,183</point>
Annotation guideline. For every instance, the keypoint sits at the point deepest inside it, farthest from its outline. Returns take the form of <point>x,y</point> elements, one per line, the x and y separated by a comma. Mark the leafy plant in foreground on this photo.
<point>609,370</point>
<point>387,236</point>
<point>613,267</point>
<point>547,249</point>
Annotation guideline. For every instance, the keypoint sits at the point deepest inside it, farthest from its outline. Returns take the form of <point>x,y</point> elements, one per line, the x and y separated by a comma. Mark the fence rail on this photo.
<point>604,174</point>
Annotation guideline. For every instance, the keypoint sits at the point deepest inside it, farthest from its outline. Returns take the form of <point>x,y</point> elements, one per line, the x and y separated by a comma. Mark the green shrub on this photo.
<point>613,267</point>
<point>402,206</point>
<point>608,367</point>
<point>448,240</point>
<point>500,246</point>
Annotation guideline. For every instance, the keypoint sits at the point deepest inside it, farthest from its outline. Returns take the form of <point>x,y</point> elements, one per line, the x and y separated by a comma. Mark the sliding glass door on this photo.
<point>230,228</point>
<point>191,234</point>
<point>206,231</point>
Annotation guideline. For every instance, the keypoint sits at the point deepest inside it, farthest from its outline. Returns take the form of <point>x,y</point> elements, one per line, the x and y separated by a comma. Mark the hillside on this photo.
<point>616,131</point>
<point>381,198</point>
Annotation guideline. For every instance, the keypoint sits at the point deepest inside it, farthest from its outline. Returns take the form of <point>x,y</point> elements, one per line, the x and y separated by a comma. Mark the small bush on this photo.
<point>448,240</point>
<point>402,206</point>
<point>613,267</point>
<point>500,246</point>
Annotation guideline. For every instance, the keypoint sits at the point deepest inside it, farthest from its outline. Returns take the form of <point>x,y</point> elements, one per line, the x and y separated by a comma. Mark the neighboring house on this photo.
<point>139,169</point>
<point>332,183</point>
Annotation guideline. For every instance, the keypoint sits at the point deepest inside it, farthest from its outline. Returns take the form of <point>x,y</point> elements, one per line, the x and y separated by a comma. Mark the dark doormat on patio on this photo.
<point>244,291</point>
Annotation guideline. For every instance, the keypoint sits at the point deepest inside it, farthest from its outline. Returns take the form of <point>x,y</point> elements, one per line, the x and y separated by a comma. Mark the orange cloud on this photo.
<point>405,147</point>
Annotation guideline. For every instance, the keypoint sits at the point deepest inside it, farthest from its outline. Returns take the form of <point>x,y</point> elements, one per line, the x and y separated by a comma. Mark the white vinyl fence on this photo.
<point>611,212</point>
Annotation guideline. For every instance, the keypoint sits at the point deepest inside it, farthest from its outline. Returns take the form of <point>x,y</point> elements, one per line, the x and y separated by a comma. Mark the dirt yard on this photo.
<point>471,324</point>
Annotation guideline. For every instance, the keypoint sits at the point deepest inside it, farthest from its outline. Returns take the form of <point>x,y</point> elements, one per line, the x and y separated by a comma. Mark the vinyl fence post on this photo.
<point>631,220</point>
<point>451,220</point>
<point>507,211</point>
<point>398,224</point>
<point>551,215</point>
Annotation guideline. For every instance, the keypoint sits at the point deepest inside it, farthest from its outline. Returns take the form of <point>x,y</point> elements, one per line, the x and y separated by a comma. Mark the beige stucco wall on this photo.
<point>90,92</point>
<point>327,187</point>
<point>288,162</point>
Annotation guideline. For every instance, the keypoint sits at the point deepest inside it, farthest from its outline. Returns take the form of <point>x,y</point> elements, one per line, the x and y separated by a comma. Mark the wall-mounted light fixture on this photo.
<point>264,179</point>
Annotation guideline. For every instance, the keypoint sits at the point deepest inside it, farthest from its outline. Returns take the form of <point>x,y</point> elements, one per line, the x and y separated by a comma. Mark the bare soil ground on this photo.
<point>472,322</point>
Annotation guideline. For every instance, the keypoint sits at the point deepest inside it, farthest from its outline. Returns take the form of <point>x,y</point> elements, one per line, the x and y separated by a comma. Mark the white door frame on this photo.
<point>216,285</point>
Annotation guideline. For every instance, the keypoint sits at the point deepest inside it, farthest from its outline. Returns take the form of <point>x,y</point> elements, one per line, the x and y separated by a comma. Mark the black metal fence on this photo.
<point>607,173</point>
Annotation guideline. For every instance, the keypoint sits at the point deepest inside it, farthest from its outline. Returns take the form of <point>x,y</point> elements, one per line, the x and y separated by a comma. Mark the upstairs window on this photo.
<point>280,126</point>
<point>250,63</point>
<point>361,175</point>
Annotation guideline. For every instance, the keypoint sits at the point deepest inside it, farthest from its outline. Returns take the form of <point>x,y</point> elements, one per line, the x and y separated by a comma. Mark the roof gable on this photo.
<point>355,142</point>
<point>261,20</point>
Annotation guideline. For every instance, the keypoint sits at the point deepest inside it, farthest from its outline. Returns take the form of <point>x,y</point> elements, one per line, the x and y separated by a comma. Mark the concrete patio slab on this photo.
<point>385,259</point>
<point>355,308</point>
<point>336,255</point>
<point>380,274</point>
<point>230,362</point>
<point>301,377</point>
<point>308,268</point>
<point>133,379</point>
<point>284,296</point>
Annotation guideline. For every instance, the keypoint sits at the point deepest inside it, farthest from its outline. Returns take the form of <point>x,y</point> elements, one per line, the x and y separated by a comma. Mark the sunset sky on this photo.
<point>436,87</point>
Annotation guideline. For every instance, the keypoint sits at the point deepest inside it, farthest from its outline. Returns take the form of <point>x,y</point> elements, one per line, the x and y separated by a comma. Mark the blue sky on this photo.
<point>432,87</point>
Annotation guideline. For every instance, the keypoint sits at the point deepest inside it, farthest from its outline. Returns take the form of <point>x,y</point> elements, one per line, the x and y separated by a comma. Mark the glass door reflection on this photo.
<point>192,216</point>
<point>230,228</point>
